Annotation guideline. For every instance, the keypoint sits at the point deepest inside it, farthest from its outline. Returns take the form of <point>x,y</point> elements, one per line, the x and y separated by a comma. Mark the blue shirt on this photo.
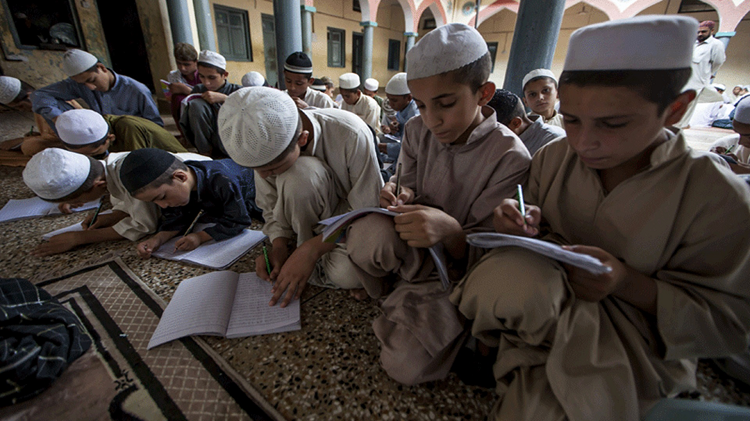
<point>404,115</point>
<point>127,97</point>
<point>225,191</point>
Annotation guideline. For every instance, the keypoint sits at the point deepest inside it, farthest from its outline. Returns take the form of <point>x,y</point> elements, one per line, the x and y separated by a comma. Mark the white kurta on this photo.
<point>740,151</point>
<point>318,99</point>
<point>367,109</point>
<point>708,56</point>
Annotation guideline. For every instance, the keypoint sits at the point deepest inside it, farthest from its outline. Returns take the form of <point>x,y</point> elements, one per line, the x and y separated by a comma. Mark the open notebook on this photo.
<point>227,304</point>
<point>212,254</point>
<point>71,228</point>
<point>334,233</point>
<point>551,250</point>
<point>35,207</point>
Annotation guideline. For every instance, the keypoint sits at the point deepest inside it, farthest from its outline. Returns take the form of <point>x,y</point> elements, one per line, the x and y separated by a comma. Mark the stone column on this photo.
<point>534,40</point>
<point>205,23</point>
<point>179,21</point>
<point>306,13</point>
<point>288,32</point>
<point>410,38</point>
<point>724,37</point>
<point>368,29</point>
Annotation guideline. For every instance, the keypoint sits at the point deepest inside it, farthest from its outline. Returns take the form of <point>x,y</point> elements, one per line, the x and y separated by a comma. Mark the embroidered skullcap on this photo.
<point>10,87</point>
<point>77,61</point>
<point>371,84</point>
<point>397,85</point>
<point>142,166</point>
<point>253,79</point>
<point>349,81</point>
<point>212,58</point>
<point>742,112</point>
<point>444,49</point>
<point>55,173</point>
<point>708,24</point>
<point>298,62</point>
<point>81,127</point>
<point>537,73</point>
<point>650,42</point>
<point>257,124</point>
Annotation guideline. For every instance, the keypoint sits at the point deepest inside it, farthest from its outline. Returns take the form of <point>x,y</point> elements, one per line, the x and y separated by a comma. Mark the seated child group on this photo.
<point>606,175</point>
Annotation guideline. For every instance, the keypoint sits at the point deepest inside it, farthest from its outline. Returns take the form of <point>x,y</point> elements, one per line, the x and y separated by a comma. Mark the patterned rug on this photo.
<point>119,379</point>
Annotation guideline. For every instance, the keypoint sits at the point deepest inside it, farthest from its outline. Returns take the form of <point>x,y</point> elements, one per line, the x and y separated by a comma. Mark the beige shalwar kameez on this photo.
<point>561,357</point>
<point>367,109</point>
<point>419,329</point>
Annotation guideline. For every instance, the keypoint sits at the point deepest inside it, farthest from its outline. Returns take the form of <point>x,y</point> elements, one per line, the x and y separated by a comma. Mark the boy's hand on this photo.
<point>508,219</point>
<point>179,88</point>
<point>385,129</point>
<point>213,97</point>
<point>590,287</point>
<point>104,220</point>
<point>68,207</point>
<point>145,248</point>
<point>188,242</point>
<point>57,244</point>
<point>300,103</point>
<point>293,276</point>
<point>423,226</point>
<point>388,196</point>
<point>277,257</point>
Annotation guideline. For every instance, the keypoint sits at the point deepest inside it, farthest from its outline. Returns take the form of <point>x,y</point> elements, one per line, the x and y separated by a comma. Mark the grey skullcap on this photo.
<point>142,166</point>
<point>10,87</point>
<point>447,48</point>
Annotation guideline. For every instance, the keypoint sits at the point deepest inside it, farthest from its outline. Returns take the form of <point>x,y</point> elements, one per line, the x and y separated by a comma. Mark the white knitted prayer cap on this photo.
<point>397,85</point>
<point>444,49</point>
<point>55,173</point>
<point>81,127</point>
<point>742,112</point>
<point>212,58</point>
<point>257,124</point>
<point>349,81</point>
<point>253,79</point>
<point>77,61</point>
<point>372,84</point>
<point>651,42</point>
<point>10,87</point>
<point>537,73</point>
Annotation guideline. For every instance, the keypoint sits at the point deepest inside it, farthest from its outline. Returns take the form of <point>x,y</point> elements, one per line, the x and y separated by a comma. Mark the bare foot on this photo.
<point>358,294</point>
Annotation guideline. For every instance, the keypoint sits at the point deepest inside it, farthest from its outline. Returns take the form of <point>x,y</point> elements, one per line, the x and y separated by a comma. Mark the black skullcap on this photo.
<point>142,166</point>
<point>298,62</point>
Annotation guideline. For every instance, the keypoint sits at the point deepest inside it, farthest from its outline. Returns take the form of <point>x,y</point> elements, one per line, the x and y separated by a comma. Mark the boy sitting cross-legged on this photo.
<point>222,189</point>
<point>625,188</point>
<point>457,162</point>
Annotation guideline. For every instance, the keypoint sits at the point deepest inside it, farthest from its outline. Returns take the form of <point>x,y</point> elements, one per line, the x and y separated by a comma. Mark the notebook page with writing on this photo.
<point>72,228</point>
<point>551,250</point>
<point>35,207</point>
<point>200,306</point>
<point>251,314</point>
<point>213,254</point>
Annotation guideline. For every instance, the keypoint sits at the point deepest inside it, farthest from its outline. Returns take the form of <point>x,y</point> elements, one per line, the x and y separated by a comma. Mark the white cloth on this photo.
<point>349,81</point>
<point>733,140</point>
<point>318,99</point>
<point>212,58</point>
<point>706,113</point>
<point>55,173</point>
<point>81,127</point>
<point>253,79</point>
<point>742,112</point>
<point>367,109</point>
<point>77,61</point>
<point>640,43</point>
<point>538,73</point>
<point>707,58</point>
<point>444,49</point>
<point>10,87</point>
<point>539,134</point>
<point>397,85</point>
<point>371,84</point>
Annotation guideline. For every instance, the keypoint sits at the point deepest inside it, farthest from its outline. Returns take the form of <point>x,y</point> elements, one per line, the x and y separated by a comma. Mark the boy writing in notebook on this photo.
<point>625,188</point>
<point>310,164</point>
<point>457,163</point>
<point>72,179</point>
<point>222,191</point>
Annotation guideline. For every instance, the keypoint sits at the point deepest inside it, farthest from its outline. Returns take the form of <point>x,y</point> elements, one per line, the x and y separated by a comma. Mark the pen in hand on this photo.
<point>190,228</point>
<point>96,214</point>
<point>268,263</point>
<point>398,181</point>
<point>521,206</point>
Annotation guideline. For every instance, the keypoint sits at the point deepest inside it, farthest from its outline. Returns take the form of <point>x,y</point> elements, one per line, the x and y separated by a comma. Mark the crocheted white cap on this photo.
<point>444,49</point>
<point>538,73</point>
<point>77,61</point>
<point>253,79</point>
<point>397,85</point>
<point>55,173</point>
<point>81,127</point>
<point>349,81</point>
<point>372,84</point>
<point>742,112</point>
<point>212,58</point>
<point>256,125</point>
<point>651,42</point>
<point>10,87</point>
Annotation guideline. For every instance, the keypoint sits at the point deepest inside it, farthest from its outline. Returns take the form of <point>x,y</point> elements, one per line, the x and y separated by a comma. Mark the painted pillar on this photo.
<point>534,40</point>
<point>410,37</point>
<point>368,29</point>
<point>307,12</point>
<point>724,37</point>
<point>288,32</point>
<point>179,21</point>
<point>205,24</point>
